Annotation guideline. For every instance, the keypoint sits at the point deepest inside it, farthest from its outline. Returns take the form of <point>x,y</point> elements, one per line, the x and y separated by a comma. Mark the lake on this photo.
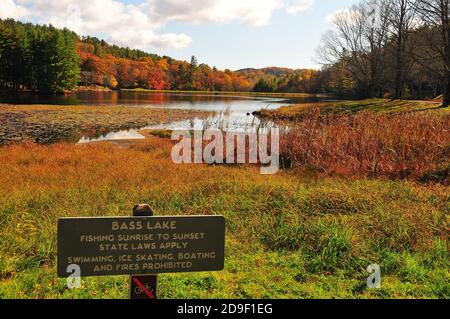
<point>233,111</point>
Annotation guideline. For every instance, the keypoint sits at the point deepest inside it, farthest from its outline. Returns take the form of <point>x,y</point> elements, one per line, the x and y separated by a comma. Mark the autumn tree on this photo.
<point>359,36</point>
<point>401,15</point>
<point>435,15</point>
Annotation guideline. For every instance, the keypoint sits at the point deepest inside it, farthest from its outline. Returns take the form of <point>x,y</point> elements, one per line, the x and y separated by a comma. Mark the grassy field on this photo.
<point>297,111</point>
<point>301,233</point>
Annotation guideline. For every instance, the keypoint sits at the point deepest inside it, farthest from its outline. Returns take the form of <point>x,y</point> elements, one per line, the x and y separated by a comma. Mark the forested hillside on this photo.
<point>377,48</point>
<point>275,79</point>
<point>116,67</point>
<point>46,59</point>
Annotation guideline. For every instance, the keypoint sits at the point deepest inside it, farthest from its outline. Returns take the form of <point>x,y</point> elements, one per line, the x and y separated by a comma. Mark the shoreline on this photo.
<point>47,124</point>
<point>96,88</point>
<point>296,112</point>
<point>269,94</point>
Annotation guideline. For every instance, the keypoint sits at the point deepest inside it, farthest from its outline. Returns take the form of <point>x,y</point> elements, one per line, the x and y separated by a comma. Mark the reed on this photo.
<point>403,145</point>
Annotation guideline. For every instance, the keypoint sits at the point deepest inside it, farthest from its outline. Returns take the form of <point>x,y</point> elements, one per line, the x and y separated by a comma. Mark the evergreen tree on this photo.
<point>9,56</point>
<point>193,66</point>
<point>265,85</point>
<point>39,58</point>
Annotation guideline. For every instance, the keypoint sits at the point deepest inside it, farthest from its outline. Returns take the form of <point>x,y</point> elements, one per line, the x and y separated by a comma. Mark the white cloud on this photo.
<point>172,40</point>
<point>122,24</point>
<point>250,12</point>
<point>138,25</point>
<point>295,6</point>
<point>344,13</point>
<point>9,9</point>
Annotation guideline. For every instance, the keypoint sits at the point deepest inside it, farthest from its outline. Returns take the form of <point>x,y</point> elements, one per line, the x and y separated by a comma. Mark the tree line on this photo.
<point>46,59</point>
<point>377,48</point>
<point>40,58</point>
<point>117,68</point>
<point>399,48</point>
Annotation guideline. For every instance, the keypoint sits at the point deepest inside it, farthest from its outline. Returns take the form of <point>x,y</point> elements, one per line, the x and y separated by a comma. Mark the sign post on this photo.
<point>143,287</point>
<point>140,246</point>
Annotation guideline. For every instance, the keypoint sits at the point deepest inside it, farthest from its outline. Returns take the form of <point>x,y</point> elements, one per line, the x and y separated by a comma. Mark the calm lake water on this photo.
<point>231,111</point>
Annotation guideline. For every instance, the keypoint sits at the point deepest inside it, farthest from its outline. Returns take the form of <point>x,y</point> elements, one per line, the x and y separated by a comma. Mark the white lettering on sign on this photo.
<point>141,245</point>
<point>139,225</point>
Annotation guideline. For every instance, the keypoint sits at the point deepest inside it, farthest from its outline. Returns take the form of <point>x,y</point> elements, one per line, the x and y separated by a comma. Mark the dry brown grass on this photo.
<point>369,144</point>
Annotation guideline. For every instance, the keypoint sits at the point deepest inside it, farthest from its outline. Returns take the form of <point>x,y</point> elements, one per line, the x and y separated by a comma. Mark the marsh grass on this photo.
<point>403,145</point>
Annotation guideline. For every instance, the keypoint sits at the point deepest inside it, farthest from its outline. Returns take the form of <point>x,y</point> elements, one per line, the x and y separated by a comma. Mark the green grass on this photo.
<point>290,235</point>
<point>297,111</point>
<point>158,133</point>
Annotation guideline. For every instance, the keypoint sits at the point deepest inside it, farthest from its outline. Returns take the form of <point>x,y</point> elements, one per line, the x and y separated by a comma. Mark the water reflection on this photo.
<point>131,134</point>
<point>224,121</point>
<point>241,103</point>
<point>233,112</point>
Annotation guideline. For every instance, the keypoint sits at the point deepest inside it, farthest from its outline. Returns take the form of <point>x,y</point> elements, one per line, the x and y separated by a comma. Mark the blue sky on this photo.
<point>229,34</point>
<point>288,41</point>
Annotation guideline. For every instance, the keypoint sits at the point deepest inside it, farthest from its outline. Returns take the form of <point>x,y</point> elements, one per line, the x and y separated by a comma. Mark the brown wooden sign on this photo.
<point>103,246</point>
